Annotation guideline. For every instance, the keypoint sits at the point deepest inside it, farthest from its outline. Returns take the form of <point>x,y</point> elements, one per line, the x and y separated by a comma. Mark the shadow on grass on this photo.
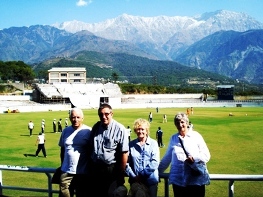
<point>31,155</point>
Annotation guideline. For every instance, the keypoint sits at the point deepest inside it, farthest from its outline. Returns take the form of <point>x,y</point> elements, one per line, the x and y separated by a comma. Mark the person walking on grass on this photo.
<point>43,126</point>
<point>159,137</point>
<point>30,127</point>
<point>41,144</point>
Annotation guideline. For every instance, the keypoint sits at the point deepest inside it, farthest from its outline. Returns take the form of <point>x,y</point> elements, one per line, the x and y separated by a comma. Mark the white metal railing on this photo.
<point>231,178</point>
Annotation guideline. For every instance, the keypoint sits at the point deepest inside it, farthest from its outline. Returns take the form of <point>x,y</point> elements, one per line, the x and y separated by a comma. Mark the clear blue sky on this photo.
<point>20,13</point>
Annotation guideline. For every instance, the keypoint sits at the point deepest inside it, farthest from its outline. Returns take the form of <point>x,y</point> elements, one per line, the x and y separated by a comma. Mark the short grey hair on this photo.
<point>181,116</point>
<point>80,112</point>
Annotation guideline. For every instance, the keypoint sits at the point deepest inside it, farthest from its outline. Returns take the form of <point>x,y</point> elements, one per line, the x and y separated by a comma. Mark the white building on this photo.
<point>67,75</point>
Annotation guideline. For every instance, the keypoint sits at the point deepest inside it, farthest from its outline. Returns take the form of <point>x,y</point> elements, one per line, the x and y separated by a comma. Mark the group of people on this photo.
<point>40,142</point>
<point>95,160</point>
<point>150,117</point>
<point>56,125</point>
<point>59,125</point>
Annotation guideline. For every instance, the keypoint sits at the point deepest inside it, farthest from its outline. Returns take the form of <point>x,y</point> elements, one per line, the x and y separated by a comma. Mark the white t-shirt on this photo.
<point>75,143</point>
<point>30,125</point>
<point>41,139</point>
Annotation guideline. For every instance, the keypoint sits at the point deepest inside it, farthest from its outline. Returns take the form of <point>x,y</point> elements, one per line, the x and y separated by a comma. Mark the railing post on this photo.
<point>50,190</point>
<point>1,183</point>
<point>231,188</point>
<point>166,187</point>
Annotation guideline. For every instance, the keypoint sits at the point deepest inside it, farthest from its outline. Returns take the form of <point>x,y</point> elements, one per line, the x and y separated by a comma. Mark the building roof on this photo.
<point>225,86</point>
<point>67,69</point>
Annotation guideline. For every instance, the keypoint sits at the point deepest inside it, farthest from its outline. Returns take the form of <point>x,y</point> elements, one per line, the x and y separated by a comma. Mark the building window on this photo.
<point>76,80</point>
<point>76,75</point>
<point>63,80</point>
<point>63,74</point>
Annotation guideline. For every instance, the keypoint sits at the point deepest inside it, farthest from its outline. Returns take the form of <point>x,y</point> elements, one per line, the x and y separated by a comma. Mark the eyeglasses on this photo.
<point>105,114</point>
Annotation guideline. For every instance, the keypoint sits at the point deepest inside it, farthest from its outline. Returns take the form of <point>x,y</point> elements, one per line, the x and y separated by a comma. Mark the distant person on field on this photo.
<point>60,125</point>
<point>74,156</point>
<point>129,133</point>
<point>191,125</point>
<point>157,109</point>
<point>43,126</point>
<point>143,162</point>
<point>150,117</point>
<point>192,110</point>
<point>159,137</point>
<point>54,123</point>
<point>164,118</point>
<point>30,127</point>
<point>188,111</point>
<point>41,144</point>
<point>66,122</point>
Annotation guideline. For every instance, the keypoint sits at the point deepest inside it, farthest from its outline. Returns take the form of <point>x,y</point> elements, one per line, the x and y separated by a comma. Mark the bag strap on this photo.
<point>183,146</point>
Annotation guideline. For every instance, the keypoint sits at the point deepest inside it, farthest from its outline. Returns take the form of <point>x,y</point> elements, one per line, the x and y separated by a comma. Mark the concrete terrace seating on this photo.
<point>112,89</point>
<point>95,89</point>
<point>49,90</point>
<point>67,89</point>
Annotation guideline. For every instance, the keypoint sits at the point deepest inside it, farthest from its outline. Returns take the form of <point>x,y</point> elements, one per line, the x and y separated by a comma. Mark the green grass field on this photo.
<point>235,143</point>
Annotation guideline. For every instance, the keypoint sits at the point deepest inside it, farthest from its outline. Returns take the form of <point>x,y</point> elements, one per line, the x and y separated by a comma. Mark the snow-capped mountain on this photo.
<point>164,36</point>
<point>174,38</point>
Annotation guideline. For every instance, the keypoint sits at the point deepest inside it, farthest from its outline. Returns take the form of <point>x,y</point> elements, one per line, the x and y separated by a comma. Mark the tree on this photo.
<point>16,71</point>
<point>115,76</point>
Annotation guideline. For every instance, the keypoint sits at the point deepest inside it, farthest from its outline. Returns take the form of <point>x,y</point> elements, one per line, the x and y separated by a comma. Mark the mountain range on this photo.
<point>223,42</point>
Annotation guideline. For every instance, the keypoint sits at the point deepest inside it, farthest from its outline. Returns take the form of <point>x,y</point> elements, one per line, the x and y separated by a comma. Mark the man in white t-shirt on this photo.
<point>30,127</point>
<point>74,142</point>
<point>41,144</point>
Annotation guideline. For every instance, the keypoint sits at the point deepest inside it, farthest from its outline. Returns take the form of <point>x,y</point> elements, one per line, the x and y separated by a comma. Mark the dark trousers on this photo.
<point>189,191</point>
<point>153,190</point>
<point>103,176</point>
<point>30,131</point>
<point>41,147</point>
<point>160,141</point>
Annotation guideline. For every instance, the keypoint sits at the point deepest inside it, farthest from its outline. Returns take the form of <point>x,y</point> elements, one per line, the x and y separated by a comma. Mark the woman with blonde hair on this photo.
<point>143,162</point>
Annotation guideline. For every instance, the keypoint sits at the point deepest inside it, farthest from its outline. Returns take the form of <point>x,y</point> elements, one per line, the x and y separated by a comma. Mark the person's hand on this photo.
<point>190,160</point>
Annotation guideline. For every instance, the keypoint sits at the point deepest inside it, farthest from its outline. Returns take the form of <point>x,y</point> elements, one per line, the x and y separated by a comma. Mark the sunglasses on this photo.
<point>105,114</point>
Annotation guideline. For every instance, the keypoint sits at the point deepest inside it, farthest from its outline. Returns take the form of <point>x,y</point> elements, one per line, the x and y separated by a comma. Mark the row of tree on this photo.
<point>19,71</point>
<point>16,71</point>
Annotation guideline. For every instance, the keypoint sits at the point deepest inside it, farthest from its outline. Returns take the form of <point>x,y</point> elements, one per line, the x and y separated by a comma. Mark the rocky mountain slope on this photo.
<point>159,38</point>
<point>234,54</point>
